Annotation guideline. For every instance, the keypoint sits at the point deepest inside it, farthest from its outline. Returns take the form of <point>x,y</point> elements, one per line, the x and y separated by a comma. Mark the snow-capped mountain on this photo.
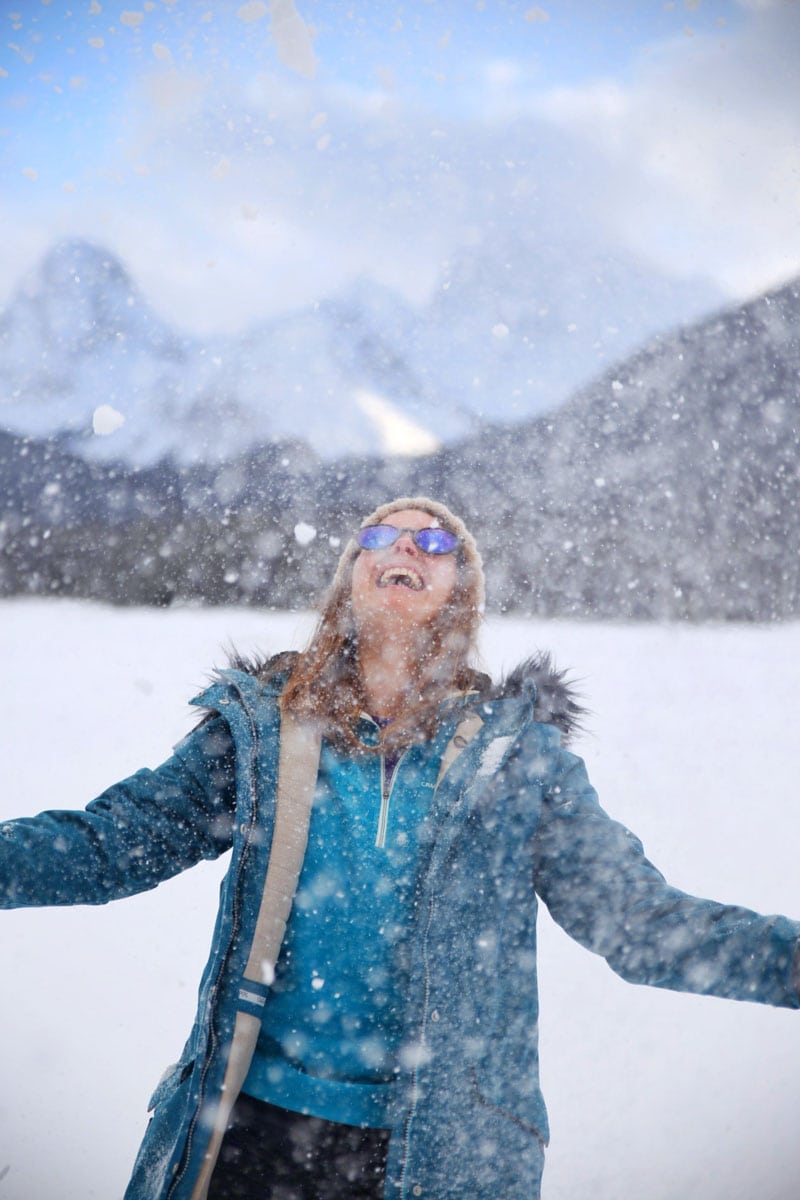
<point>668,488</point>
<point>78,334</point>
<point>511,330</point>
<point>517,325</point>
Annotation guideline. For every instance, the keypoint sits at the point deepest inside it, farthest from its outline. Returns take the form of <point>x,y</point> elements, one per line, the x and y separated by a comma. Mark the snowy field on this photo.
<point>652,1096</point>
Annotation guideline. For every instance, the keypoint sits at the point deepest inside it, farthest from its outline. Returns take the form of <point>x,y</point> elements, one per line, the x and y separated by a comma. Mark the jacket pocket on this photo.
<point>170,1081</point>
<point>527,1112</point>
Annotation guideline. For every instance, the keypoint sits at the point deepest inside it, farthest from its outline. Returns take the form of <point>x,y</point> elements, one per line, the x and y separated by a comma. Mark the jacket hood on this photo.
<point>551,691</point>
<point>555,699</point>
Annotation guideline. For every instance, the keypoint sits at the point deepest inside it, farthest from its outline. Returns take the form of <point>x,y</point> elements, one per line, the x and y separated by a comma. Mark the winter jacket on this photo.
<point>512,815</point>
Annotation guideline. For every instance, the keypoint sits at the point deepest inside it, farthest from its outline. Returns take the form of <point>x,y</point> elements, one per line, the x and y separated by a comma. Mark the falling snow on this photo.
<point>106,420</point>
<point>629,1072</point>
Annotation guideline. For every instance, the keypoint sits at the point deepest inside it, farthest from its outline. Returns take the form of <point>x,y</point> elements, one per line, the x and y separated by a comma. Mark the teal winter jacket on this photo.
<point>513,816</point>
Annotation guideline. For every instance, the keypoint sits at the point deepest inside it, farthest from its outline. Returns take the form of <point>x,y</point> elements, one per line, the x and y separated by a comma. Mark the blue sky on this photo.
<point>70,66</point>
<point>195,140</point>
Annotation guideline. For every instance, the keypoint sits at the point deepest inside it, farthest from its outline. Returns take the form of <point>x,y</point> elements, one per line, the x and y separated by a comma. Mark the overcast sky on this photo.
<point>244,159</point>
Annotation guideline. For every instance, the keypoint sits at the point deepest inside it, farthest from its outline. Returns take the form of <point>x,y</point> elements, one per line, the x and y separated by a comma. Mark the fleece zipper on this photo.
<point>386,796</point>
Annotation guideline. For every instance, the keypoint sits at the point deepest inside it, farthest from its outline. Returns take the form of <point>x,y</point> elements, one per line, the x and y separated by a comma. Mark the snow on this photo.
<point>304,533</point>
<point>293,38</point>
<point>651,1094</point>
<point>106,420</point>
<point>399,436</point>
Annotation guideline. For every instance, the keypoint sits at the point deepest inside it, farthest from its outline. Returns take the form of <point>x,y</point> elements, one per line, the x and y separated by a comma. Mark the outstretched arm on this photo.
<point>132,837</point>
<point>597,883</point>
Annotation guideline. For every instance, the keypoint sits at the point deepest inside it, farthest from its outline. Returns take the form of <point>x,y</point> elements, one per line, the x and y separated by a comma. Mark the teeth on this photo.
<point>404,576</point>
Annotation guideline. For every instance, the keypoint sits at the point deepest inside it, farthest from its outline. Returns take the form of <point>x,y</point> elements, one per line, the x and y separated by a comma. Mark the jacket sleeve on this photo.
<point>598,885</point>
<point>135,835</point>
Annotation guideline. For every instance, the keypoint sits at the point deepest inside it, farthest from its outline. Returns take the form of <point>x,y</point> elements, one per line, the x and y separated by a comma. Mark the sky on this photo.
<point>246,159</point>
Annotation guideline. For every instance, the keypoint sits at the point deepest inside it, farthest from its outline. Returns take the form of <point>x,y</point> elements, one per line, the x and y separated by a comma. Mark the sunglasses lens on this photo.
<point>377,537</point>
<point>436,541</point>
<point>430,541</point>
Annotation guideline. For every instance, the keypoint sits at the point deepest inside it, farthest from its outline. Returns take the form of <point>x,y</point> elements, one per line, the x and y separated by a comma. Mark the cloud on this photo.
<point>763,5</point>
<point>701,150</point>
<point>235,194</point>
<point>234,200</point>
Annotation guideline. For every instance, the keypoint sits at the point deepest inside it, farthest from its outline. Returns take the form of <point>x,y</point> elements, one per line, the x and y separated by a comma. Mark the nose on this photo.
<point>406,543</point>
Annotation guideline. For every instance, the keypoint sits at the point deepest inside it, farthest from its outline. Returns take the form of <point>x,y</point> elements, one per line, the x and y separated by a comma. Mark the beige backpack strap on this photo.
<point>459,741</point>
<point>298,766</point>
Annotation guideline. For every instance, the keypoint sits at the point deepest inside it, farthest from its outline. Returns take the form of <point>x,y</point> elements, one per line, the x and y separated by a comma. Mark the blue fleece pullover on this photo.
<point>333,1022</point>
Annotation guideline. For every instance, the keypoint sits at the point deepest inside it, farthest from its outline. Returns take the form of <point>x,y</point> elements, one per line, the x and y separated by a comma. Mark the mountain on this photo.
<point>79,334</point>
<point>511,331</point>
<point>668,488</point>
<point>515,326</point>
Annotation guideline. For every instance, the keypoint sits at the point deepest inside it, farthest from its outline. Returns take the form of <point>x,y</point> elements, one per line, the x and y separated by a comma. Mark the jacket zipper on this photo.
<point>214,989</point>
<point>423,1042</point>
<point>386,796</point>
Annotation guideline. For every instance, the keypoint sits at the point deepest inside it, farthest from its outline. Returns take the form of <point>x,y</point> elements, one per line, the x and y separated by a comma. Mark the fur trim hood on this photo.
<point>552,692</point>
<point>555,699</point>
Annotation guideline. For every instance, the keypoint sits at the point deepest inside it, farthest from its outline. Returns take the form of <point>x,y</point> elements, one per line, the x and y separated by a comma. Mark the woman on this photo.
<point>367,1021</point>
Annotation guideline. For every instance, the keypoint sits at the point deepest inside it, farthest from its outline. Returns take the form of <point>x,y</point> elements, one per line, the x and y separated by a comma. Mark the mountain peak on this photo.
<point>80,297</point>
<point>74,262</point>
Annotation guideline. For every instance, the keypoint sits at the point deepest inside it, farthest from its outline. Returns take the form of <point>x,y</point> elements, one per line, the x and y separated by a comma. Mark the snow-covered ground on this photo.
<point>652,1096</point>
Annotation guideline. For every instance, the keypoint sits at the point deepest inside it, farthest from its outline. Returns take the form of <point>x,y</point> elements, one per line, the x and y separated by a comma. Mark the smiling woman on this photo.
<point>399,628</point>
<point>367,1024</point>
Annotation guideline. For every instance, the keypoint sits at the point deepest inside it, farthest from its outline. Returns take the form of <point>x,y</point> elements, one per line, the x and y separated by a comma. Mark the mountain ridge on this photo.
<point>78,333</point>
<point>668,488</point>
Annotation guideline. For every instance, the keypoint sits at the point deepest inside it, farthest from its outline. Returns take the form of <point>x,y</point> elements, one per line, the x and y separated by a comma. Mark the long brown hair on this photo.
<point>325,684</point>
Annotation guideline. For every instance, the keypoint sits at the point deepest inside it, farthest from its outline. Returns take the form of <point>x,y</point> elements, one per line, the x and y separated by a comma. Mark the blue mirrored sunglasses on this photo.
<point>434,540</point>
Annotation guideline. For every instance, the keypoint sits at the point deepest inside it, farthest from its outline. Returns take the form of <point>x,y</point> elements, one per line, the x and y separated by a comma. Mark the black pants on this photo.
<point>271,1154</point>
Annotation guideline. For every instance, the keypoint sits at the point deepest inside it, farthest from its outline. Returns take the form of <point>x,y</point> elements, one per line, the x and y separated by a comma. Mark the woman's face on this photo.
<point>402,582</point>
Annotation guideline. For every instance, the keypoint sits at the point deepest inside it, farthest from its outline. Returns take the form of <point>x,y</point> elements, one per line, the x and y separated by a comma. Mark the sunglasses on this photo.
<point>434,540</point>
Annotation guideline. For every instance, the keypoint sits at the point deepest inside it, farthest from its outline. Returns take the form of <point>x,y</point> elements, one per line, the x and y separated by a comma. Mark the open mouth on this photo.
<point>401,577</point>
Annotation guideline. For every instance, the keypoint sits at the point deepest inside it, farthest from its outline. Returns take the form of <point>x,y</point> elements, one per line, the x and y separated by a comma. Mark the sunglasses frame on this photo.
<point>415,535</point>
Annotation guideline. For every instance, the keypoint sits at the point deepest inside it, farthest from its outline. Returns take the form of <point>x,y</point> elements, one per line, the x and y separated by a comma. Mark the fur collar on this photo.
<point>555,701</point>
